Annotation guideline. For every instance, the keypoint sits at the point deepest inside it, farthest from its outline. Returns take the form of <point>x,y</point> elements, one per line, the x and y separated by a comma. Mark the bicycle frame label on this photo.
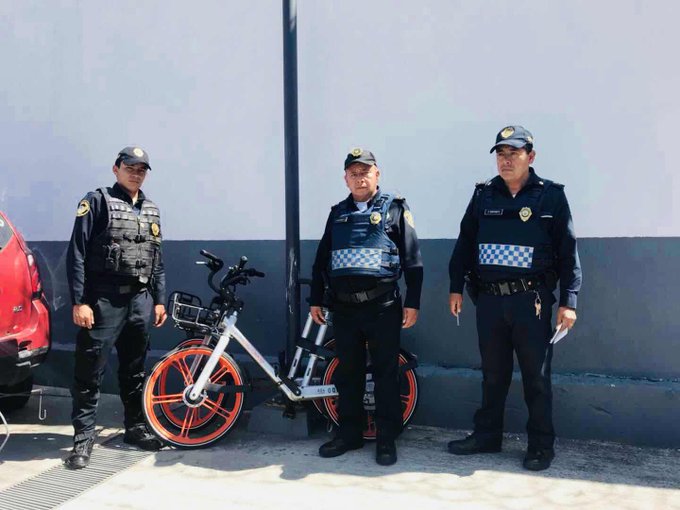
<point>327,390</point>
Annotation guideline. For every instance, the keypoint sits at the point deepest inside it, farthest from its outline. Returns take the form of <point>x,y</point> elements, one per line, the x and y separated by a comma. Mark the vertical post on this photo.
<point>290,111</point>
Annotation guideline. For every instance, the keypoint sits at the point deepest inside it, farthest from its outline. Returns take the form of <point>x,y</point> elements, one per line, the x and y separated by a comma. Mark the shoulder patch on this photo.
<point>408,217</point>
<point>83,208</point>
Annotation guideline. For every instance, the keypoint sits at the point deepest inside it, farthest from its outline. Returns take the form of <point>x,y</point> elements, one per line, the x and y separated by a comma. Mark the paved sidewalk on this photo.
<point>256,471</point>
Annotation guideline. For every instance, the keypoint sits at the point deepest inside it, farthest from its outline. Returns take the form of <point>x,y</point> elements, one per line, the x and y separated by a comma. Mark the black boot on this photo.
<point>385,452</point>
<point>538,459</point>
<point>80,455</point>
<point>474,444</point>
<point>338,446</point>
<point>142,438</point>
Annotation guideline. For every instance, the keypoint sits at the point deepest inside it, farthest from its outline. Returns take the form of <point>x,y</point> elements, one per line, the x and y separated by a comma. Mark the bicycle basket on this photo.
<point>189,313</point>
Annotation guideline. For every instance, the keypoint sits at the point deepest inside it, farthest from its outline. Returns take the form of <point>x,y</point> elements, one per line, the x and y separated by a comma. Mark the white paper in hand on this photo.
<point>559,334</point>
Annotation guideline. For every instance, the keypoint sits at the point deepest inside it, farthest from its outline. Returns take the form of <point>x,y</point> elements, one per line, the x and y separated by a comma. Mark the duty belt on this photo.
<point>510,287</point>
<point>118,289</point>
<point>364,296</point>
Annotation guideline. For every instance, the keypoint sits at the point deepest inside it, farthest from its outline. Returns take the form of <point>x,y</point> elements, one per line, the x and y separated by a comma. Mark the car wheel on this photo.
<point>15,396</point>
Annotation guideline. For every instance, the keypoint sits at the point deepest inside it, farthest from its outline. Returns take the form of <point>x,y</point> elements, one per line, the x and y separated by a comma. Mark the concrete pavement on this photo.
<point>258,471</point>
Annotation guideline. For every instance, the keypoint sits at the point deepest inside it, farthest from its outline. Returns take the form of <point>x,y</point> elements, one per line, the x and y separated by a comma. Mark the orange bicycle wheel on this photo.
<point>174,412</point>
<point>179,428</point>
<point>408,390</point>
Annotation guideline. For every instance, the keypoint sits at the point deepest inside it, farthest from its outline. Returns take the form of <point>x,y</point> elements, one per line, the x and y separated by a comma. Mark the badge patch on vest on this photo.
<point>83,208</point>
<point>525,213</point>
<point>360,258</point>
<point>155,229</point>
<point>493,212</point>
<point>375,217</point>
<point>508,255</point>
<point>409,219</point>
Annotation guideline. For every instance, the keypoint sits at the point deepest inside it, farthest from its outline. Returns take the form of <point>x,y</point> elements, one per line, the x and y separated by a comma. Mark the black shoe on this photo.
<point>338,446</point>
<point>538,459</point>
<point>473,444</point>
<point>80,455</point>
<point>385,452</point>
<point>142,438</point>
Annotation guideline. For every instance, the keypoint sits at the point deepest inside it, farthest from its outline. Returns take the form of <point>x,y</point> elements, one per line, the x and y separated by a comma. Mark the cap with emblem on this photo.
<point>134,155</point>
<point>358,155</point>
<point>514,136</point>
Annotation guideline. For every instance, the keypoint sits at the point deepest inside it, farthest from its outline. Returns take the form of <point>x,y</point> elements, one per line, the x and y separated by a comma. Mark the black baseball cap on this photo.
<point>133,155</point>
<point>514,136</point>
<point>358,155</point>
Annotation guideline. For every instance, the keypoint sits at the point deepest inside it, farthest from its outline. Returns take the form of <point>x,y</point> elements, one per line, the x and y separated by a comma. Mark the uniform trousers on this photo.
<point>120,320</point>
<point>506,324</point>
<point>376,325</point>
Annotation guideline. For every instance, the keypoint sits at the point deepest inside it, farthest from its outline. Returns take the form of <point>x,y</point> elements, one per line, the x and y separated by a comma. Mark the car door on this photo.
<point>15,285</point>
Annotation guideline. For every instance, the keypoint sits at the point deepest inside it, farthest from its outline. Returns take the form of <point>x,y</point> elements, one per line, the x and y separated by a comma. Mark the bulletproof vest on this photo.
<point>360,245</point>
<point>512,237</point>
<point>129,244</point>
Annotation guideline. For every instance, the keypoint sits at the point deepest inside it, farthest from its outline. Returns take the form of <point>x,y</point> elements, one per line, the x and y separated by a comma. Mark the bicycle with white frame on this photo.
<point>194,395</point>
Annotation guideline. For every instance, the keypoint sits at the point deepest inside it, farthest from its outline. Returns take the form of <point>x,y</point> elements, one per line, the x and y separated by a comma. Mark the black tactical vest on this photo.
<point>129,245</point>
<point>360,244</point>
<point>512,239</point>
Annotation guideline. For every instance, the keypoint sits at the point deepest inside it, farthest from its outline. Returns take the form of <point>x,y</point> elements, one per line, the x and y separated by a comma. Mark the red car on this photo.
<point>24,318</point>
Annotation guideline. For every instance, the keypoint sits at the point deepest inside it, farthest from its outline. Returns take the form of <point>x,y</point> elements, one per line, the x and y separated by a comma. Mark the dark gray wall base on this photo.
<point>585,407</point>
<point>628,327</point>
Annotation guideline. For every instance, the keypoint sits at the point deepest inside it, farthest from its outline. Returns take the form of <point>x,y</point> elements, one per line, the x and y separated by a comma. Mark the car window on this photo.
<point>5,233</point>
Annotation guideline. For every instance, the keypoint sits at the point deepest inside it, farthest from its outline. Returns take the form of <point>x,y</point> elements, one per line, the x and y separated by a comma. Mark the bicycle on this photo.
<point>194,395</point>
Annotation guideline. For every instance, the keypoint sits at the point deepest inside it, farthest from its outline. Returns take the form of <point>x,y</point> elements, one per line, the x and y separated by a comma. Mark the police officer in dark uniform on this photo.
<point>516,241</point>
<point>369,240</point>
<point>116,278</point>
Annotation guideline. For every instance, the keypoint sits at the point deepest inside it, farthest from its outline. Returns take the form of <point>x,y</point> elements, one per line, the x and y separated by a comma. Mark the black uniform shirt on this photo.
<point>400,232</point>
<point>89,226</point>
<point>562,234</point>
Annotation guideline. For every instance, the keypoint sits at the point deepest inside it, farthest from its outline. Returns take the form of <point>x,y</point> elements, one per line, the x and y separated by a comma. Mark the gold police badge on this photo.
<point>525,213</point>
<point>138,152</point>
<point>507,132</point>
<point>356,152</point>
<point>83,208</point>
<point>375,218</point>
<point>155,229</point>
<point>408,217</point>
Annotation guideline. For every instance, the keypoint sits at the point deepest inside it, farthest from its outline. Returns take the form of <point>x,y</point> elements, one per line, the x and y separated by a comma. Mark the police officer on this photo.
<point>369,240</point>
<point>116,278</point>
<point>516,241</point>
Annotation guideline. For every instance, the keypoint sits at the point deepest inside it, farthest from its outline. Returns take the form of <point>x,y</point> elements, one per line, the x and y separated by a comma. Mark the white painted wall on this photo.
<point>425,85</point>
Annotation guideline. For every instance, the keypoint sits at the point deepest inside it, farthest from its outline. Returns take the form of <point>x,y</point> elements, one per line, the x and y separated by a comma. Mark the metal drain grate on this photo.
<point>58,485</point>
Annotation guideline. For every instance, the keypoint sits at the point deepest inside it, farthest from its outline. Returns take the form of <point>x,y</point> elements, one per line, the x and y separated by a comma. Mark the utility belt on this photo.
<point>108,288</point>
<point>365,296</point>
<point>510,287</point>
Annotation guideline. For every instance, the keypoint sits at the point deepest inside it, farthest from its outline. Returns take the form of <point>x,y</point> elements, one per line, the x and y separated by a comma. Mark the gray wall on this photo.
<point>426,85</point>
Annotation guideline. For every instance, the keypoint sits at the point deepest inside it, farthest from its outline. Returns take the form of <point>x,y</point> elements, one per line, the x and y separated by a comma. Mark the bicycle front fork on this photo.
<point>210,365</point>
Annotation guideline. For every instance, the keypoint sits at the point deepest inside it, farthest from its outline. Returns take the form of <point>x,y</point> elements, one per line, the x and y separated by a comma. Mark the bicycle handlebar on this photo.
<point>235,276</point>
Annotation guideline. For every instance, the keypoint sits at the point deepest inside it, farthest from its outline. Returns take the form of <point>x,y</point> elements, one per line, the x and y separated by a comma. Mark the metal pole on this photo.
<point>290,111</point>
